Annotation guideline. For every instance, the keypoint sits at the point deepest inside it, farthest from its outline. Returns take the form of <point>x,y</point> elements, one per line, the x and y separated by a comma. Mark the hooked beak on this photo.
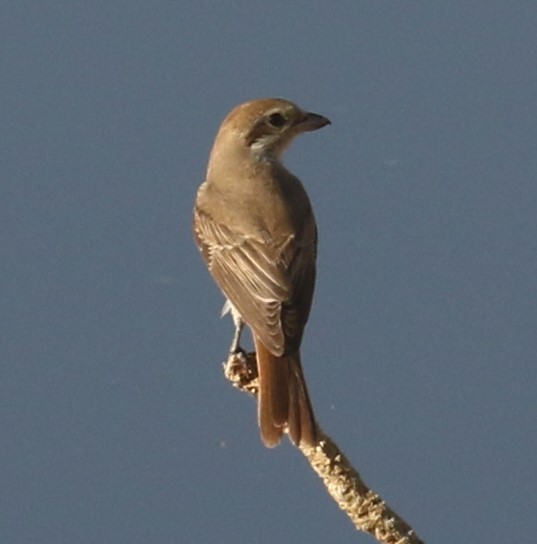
<point>311,121</point>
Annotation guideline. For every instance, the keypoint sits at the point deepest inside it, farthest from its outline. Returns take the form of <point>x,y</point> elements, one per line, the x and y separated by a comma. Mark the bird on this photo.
<point>255,227</point>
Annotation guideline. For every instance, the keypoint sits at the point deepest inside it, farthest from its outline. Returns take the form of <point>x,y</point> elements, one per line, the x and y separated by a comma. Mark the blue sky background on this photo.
<point>117,425</point>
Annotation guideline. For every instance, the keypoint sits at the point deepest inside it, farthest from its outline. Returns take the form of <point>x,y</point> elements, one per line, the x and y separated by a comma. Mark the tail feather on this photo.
<point>306,430</point>
<point>283,401</point>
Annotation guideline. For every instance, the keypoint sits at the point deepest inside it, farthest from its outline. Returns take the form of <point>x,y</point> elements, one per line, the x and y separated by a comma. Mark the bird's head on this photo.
<point>266,127</point>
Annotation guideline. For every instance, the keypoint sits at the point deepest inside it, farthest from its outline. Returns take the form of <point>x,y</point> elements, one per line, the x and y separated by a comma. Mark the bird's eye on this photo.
<point>276,120</point>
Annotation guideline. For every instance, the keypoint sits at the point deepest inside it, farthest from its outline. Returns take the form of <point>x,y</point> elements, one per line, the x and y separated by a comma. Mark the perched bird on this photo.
<point>254,225</point>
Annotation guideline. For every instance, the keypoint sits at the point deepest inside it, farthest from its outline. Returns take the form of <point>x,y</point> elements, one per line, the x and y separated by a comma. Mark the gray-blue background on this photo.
<point>116,423</point>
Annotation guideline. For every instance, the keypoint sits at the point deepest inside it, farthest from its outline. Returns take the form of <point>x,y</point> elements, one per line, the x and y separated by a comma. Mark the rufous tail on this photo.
<point>283,401</point>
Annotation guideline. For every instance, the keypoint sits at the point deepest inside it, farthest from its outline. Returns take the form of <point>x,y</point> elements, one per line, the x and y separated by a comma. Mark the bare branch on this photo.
<point>367,511</point>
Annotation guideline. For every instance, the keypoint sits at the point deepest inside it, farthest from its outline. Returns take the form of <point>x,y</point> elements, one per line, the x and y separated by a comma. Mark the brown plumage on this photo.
<point>254,224</point>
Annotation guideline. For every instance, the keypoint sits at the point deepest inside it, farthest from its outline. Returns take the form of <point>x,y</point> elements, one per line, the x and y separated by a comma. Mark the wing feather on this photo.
<point>271,286</point>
